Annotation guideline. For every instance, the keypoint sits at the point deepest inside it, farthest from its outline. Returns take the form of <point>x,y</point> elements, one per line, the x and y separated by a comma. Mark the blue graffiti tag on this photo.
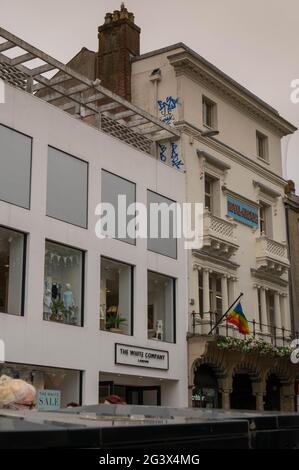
<point>166,107</point>
<point>162,151</point>
<point>175,159</point>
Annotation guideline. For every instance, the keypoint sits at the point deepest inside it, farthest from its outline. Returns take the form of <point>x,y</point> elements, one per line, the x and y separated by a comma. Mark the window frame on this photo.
<point>262,142</point>
<point>174,302</point>
<point>87,188</point>
<point>266,220</point>
<point>81,324</point>
<point>30,172</point>
<point>24,269</point>
<point>148,212</point>
<point>135,196</point>
<point>207,103</point>
<point>211,181</point>
<point>132,291</point>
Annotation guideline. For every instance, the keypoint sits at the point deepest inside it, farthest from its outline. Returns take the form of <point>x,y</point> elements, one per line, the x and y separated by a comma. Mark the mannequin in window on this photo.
<point>47,302</point>
<point>68,298</point>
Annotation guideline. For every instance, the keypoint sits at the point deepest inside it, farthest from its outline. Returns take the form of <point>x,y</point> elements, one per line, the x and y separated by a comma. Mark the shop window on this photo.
<point>116,297</point>
<point>67,184</point>
<point>12,262</point>
<point>161,307</point>
<point>161,225</point>
<point>63,284</point>
<point>15,167</point>
<point>114,186</point>
<point>67,381</point>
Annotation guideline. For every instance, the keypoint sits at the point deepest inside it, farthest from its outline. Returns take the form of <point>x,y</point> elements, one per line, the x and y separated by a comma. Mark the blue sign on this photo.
<point>242,212</point>
<point>48,400</point>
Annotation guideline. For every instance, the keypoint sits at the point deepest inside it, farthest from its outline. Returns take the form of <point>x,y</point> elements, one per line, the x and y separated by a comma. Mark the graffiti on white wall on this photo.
<point>169,153</point>
<point>166,108</point>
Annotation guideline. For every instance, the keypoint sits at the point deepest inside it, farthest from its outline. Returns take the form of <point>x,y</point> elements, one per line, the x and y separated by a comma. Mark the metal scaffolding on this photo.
<point>78,95</point>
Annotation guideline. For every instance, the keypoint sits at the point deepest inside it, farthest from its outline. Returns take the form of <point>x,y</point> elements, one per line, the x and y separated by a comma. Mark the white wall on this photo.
<point>237,129</point>
<point>31,340</point>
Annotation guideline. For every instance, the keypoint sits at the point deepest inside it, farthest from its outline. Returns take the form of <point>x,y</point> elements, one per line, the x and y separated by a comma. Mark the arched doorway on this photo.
<point>272,397</point>
<point>241,397</point>
<point>205,391</point>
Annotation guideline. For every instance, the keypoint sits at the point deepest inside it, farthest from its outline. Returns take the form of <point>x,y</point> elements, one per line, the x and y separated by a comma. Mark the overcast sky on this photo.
<point>255,42</point>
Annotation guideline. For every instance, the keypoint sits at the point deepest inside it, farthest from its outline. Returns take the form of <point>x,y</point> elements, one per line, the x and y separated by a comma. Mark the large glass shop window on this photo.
<point>12,258</point>
<point>15,167</point>
<point>161,307</point>
<point>63,284</point>
<point>116,297</point>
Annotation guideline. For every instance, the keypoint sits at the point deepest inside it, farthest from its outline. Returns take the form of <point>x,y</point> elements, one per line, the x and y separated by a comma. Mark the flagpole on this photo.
<point>224,315</point>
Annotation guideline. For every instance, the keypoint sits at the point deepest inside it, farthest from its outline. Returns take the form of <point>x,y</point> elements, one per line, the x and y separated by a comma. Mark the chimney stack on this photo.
<point>119,39</point>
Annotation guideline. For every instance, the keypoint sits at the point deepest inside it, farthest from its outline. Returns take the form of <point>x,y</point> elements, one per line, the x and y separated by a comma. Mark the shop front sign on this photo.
<point>48,400</point>
<point>242,212</point>
<point>141,357</point>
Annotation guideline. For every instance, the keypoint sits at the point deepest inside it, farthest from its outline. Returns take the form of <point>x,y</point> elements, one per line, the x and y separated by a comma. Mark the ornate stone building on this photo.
<point>228,145</point>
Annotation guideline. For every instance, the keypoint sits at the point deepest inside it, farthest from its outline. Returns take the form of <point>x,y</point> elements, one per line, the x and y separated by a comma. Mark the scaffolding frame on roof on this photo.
<point>82,97</point>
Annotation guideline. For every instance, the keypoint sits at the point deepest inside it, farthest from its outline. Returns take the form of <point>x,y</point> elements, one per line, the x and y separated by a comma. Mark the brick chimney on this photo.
<point>119,39</point>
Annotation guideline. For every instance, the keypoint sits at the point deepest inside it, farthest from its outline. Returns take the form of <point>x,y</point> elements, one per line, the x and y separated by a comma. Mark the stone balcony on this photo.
<point>271,256</point>
<point>219,236</point>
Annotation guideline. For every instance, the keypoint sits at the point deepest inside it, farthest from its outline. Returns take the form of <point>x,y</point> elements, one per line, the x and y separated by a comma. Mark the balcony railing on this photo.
<point>219,235</point>
<point>271,255</point>
<point>202,324</point>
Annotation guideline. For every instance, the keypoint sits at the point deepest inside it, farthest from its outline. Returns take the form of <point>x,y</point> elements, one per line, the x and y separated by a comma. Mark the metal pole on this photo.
<point>224,315</point>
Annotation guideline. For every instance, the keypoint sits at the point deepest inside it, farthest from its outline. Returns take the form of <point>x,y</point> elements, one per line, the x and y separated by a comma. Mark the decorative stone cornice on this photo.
<point>198,69</point>
<point>226,264</point>
<point>272,280</point>
<point>234,155</point>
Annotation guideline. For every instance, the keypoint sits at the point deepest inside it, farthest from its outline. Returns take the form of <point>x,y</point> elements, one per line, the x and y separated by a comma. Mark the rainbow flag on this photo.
<point>237,318</point>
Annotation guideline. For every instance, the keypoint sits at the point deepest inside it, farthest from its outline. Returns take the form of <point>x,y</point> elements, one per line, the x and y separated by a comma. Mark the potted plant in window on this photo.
<point>114,321</point>
<point>59,311</point>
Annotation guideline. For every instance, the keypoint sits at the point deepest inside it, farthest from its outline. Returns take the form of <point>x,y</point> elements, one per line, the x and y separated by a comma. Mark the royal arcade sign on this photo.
<point>242,211</point>
<point>141,357</point>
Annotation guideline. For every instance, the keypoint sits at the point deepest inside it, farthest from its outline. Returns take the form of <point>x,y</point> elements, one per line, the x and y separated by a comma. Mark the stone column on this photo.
<point>193,293</point>
<point>226,399</point>
<point>206,290</point>
<point>259,398</point>
<point>286,323</point>
<point>206,300</point>
<point>264,311</point>
<point>224,293</point>
<point>232,289</point>
<point>277,313</point>
<point>257,316</point>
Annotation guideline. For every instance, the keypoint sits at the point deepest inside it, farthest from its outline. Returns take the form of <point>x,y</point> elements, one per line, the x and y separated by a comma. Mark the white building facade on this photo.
<point>230,150</point>
<point>61,287</point>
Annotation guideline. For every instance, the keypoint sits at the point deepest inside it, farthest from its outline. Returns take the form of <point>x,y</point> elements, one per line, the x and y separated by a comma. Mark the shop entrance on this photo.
<point>143,396</point>
<point>241,397</point>
<point>272,397</point>
<point>205,392</point>
<point>131,394</point>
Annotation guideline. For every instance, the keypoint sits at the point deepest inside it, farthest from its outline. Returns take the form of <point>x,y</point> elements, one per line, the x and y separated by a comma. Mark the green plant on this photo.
<point>59,312</point>
<point>252,344</point>
<point>114,320</point>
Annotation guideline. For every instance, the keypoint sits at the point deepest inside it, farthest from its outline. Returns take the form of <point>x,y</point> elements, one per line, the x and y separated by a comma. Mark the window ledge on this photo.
<point>263,160</point>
